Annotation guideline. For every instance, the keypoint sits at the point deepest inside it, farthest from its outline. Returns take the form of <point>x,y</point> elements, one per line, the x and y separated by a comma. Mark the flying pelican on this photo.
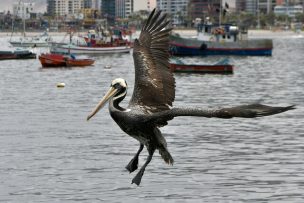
<point>154,91</point>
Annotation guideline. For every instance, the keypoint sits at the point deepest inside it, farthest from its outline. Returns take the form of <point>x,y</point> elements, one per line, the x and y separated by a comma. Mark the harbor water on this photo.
<point>50,153</point>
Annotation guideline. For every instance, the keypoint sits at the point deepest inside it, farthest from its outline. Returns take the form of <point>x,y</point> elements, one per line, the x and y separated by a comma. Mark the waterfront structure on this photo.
<point>175,8</point>
<point>93,4</point>
<point>291,11</point>
<point>64,7</point>
<point>123,8</point>
<point>240,5</point>
<point>23,10</point>
<point>147,5</point>
<point>108,10</point>
<point>266,6</point>
<point>203,8</point>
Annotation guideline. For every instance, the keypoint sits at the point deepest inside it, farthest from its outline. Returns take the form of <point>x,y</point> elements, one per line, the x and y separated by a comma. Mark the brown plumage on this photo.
<point>154,91</point>
<point>154,88</point>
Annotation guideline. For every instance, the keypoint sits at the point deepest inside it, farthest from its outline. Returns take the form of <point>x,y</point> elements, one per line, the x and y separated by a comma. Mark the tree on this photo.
<point>299,17</point>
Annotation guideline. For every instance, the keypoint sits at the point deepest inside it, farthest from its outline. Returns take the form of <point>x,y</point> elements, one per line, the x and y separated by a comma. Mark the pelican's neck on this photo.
<point>114,103</point>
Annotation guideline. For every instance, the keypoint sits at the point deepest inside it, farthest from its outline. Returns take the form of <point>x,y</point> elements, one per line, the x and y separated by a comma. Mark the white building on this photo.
<point>65,7</point>
<point>288,10</point>
<point>177,8</point>
<point>23,10</point>
<point>147,5</point>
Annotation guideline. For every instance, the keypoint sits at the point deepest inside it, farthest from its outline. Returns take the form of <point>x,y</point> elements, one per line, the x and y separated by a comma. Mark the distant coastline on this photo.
<point>182,32</point>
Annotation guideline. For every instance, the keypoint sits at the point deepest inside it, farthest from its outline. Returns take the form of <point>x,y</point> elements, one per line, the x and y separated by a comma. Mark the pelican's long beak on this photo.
<point>103,101</point>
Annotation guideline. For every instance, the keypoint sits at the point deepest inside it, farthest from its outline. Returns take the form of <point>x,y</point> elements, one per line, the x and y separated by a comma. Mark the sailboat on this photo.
<point>42,40</point>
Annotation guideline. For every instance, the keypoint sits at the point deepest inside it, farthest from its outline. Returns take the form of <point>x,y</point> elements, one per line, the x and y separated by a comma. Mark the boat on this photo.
<point>93,43</point>
<point>52,60</point>
<point>83,49</point>
<point>79,62</point>
<point>42,40</point>
<point>60,60</point>
<point>222,39</point>
<point>108,37</point>
<point>16,54</point>
<point>221,67</point>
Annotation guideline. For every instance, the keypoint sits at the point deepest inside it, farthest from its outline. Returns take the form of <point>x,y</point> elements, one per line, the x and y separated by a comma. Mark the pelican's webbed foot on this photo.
<point>132,165</point>
<point>139,175</point>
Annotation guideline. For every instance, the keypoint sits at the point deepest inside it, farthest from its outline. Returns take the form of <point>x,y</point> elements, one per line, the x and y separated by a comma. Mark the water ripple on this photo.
<point>50,153</point>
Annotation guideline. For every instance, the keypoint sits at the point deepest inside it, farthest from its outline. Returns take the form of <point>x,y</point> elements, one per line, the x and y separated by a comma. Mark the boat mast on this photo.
<point>13,19</point>
<point>220,17</point>
<point>21,3</point>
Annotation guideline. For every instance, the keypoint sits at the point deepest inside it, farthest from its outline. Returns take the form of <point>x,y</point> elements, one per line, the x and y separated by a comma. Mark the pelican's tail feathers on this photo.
<point>165,154</point>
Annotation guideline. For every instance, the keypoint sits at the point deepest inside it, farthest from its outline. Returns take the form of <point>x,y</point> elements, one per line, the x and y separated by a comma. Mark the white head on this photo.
<point>118,89</point>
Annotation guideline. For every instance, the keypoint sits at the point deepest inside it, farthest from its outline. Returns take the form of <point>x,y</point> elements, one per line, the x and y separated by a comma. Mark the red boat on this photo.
<point>222,67</point>
<point>79,62</point>
<point>52,60</point>
<point>59,60</point>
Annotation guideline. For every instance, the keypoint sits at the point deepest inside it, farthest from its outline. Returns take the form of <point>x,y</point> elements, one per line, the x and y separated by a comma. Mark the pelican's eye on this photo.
<point>117,86</point>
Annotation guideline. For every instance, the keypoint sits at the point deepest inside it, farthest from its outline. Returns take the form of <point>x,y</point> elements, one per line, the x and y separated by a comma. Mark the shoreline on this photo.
<point>183,32</point>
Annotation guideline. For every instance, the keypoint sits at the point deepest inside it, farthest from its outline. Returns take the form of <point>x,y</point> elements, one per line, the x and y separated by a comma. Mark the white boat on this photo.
<point>74,49</point>
<point>42,40</point>
<point>26,41</point>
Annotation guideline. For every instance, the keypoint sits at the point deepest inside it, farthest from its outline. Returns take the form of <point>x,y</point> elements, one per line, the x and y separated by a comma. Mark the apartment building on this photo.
<point>123,8</point>
<point>176,8</point>
<point>147,5</point>
<point>64,7</point>
<point>23,10</point>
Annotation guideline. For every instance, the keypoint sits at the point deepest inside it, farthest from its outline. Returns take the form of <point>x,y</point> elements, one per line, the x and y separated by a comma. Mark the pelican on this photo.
<point>154,91</point>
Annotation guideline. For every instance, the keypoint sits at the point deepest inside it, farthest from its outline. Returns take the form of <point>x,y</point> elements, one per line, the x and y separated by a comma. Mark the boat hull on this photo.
<point>12,55</point>
<point>59,60</point>
<point>89,50</point>
<point>79,62</point>
<point>192,68</point>
<point>52,60</point>
<point>192,47</point>
<point>29,44</point>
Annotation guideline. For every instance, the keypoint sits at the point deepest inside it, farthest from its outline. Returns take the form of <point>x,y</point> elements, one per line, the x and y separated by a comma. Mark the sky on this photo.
<point>8,4</point>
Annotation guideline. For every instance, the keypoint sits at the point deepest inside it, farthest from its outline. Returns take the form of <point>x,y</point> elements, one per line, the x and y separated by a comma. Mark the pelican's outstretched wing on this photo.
<point>154,88</point>
<point>244,111</point>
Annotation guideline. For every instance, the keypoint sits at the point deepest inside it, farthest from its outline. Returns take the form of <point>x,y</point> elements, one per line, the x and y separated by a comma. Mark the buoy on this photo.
<point>60,84</point>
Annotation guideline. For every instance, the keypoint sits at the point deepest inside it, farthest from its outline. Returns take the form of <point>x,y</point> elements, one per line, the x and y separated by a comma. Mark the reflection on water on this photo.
<point>50,153</point>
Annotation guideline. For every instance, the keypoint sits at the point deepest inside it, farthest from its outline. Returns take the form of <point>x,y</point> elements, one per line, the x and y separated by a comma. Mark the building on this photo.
<point>261,6</point>
<point>120,8</point>
<point>291,11</point>
<point>251,6</point>
<point>200,9</point>
<point>266,6</point>
<point>240,5</point>
<point>64,7</point>
<point>23,10</point>
<point>108,10</point>
<point>123,8</point>
<point>93,4</point>
<point>147,5</point>
<point>176,8</point>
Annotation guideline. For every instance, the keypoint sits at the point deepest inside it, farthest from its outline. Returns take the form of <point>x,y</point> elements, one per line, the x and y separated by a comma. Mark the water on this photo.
<point>50,153</point>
